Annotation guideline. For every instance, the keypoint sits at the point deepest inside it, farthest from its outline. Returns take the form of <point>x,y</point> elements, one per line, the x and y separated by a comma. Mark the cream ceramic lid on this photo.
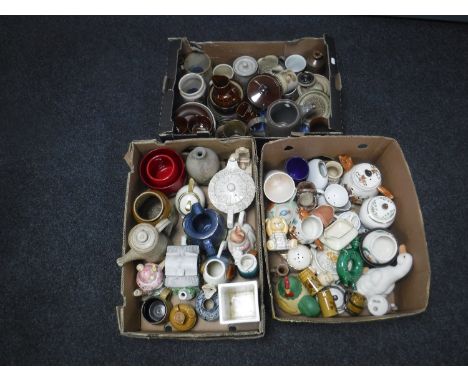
<point>367,176</point>
<point>381,209</point>
<point>245,66</point>
<point>142,237</point>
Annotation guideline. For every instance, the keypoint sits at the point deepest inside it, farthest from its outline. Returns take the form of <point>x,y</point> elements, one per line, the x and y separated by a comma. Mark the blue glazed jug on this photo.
<point>204,227</point>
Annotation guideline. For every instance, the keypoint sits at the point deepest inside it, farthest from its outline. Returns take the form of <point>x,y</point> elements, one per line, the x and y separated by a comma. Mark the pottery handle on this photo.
<point>230,220</point>
<point>241,218</point>
<point>221,248</point>
<point>162,225</point>
<point>385,192</point>
<point>209,247</point>
<point>191,185</point>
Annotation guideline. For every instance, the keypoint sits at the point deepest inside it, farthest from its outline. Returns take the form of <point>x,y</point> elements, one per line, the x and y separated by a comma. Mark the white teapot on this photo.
<point>362,181</point>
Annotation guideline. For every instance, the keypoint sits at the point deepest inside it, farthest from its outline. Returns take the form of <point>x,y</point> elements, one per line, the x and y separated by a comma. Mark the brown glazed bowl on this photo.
<point>193,117</point>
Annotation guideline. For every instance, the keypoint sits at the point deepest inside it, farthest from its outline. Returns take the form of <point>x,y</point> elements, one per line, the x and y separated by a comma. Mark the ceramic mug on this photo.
<point>334,171</point>
<point>155,310</point>
<point>247,265</point>
<point>297,168</point>
<point>204,227</point>
<point>192,87</point>
<point>151,207</point>
<point>278,186</point>
<point>379,248</point>
<point>246,112</point>
<point>199,63</point>
<point>214,271</point>
<point>282,117</point>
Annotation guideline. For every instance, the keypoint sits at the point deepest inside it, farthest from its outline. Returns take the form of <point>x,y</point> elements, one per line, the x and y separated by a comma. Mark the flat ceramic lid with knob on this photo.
<point>231,190</point>
<point>381,209</point>
<point>245,66</point>
<point>142,237</point>
<point>319,99</point>
<point>263,90</point>
<point>367,176</point>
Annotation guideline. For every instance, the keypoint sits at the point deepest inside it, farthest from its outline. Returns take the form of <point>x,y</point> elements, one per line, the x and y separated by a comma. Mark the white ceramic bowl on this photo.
<point>312,228</point>
<point>380,246</point>
<point>279,187</point>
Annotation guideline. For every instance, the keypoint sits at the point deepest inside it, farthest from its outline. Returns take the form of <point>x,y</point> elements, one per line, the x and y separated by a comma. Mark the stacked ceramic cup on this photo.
<point>328,219</point>
<point>269,96</point>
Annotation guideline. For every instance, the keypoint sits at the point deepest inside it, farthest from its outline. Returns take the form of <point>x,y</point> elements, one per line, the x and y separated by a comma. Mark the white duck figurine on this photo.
<point>381,281</point>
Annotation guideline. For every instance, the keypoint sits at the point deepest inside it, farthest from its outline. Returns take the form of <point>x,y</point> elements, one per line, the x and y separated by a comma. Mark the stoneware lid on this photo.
<point>142,237</point>
<point>262,90</point>
<point>381,209</point>
<point>245,66</point>
<point>367,176</point>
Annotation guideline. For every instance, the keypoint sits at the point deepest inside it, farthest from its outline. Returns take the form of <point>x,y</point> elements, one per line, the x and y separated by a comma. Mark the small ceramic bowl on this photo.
<point>336,195</point>
<point>312,228</point>
<point>297,168</point>
<point>279,187</point>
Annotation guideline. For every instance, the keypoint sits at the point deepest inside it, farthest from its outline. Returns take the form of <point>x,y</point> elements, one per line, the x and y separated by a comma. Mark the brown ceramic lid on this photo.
<point>262,90</point>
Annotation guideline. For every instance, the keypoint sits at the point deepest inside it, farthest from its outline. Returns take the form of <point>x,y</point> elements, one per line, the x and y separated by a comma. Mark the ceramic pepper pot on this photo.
<point>147,243</point>
<point>225,94</point>
<point>292,297</point>
<point>201,164</point>
<point>204,227</point>
<point>149,277</point>
<point>362,181</point>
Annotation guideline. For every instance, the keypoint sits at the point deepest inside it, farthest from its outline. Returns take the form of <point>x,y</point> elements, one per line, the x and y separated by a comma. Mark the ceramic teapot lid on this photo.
<point>319,99</point>
<point>142,237</point>
<point>245,66</point>
<point>367,176</point>
<point>231,190</point>
<point>381,209</point>
<point>262,90</point>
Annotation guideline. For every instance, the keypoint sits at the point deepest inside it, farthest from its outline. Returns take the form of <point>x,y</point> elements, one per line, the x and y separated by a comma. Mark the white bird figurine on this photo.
<point>381,281</point>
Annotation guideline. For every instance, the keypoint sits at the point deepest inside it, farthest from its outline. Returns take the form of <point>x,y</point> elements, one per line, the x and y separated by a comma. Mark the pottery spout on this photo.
<point>131,256</point>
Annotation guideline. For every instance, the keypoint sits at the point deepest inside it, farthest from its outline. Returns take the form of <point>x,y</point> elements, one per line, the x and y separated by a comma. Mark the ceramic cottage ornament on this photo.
<point>181,268</point>
<point>149,278</point>
<point>276,229</point>
<point>231,190</point>
<point>381,281</point>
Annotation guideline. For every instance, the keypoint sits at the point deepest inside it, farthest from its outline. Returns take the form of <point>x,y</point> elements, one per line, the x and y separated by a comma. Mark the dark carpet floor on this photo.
<point>75,91</point>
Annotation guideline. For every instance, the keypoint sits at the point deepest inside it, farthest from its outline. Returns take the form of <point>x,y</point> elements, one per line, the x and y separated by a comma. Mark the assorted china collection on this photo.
<point>331,251</point>
<point>210,273</point>
<point>272,96</point>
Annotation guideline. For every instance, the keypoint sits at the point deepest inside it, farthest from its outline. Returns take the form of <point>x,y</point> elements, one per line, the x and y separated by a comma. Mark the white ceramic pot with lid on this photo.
<point>244,69</point>
<point>362,181</point>
<point>377,212</point>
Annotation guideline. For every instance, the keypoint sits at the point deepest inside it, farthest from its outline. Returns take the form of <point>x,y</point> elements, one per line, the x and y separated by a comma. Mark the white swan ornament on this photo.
<point>381,281</point>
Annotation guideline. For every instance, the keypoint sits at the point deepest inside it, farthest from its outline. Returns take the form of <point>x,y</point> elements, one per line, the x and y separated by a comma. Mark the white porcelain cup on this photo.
<point>278,186</point>
<point>380,246</point>
<point>192,87</point>
<point>334,171</point>
<point>214,272</point>
<point>312,228</point>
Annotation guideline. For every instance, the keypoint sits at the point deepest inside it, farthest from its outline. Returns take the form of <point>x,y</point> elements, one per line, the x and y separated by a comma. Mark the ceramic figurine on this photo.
<point>299,257</point>
<point>231,190</point>
<point>181,269</point>
<point>276,229</point>
<point>147,243</point>
<point>362,181</point>
<point>149,277</point>
<point>204,227</point>
<point>324,265</point>
<point>349,265</point>
<point>381,281</point>
<point>183,317</point>
<point>283,210</point>
<point>202,163</point>
<point>241,238</point>
<point>244,161</point>
<point>377,212</point>
<point>187,196</point>
<point>292,297</point>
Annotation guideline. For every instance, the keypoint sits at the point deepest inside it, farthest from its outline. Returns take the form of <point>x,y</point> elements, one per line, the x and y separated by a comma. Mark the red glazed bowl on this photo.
<point>163,169</point>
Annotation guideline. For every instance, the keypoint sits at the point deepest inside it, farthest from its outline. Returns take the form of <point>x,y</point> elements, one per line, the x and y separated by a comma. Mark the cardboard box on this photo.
<point>227,52</point>
<point>411,294</point>
<point>129,317</point>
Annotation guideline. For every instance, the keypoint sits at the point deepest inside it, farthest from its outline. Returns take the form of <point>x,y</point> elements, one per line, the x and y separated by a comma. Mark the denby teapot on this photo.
<point>362,180</point>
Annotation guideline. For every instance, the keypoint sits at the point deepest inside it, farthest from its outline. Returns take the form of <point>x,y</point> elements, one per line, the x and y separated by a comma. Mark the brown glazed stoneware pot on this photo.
<point>225,95</point>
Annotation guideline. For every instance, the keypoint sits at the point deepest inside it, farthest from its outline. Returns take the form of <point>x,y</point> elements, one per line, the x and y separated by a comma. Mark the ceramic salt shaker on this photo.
<point>231,190</point>
<point>201,164</point>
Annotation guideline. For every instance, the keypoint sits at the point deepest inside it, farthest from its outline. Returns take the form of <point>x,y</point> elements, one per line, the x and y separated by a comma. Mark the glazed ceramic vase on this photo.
<point>202,164</point>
